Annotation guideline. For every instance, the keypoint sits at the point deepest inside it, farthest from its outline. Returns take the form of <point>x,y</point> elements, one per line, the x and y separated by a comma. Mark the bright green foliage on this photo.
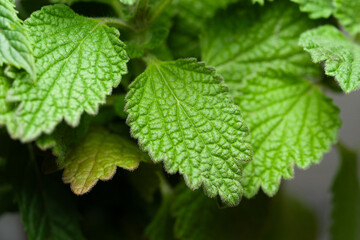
<point>46,209</point>
<point>97,157</point>
<point>129,2</point>
<point>347,11</point>
<point>346,198</point>
<point>15,45</point>
<point>73,77</point>
<point>239,43</point>
<point>342,56</point>
<point>193,213</point>
<point>291,121</point>
<point>182,114</point>
<point>316,8</point>
<point>6,108</point>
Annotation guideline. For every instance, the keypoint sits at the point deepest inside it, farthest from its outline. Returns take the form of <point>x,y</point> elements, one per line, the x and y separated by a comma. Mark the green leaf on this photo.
<point>79,61</point>
<point>261,2</point>
<point>182,114</point>
<point>46,209</point>
<point>240,42</point>
<point>348,15</point>
<point>291,121</point>
<point>194,213</point>
<point>97,157</point>
<point>128,2</point>
<point>316,8</point>
<point>346,198</point>
<point>342,57</point>
<point>15,48</point>
<point>194,13</point>
<point>6,108</point>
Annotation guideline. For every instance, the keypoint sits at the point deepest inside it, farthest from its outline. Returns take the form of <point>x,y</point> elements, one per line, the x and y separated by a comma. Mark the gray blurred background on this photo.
<point>311,186</point>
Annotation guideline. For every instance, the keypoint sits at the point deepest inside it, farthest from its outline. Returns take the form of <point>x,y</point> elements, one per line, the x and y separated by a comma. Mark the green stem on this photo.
<point>115,22</point>
<point>165,188</point>
<point>117,7</point>
<point>159,9</point>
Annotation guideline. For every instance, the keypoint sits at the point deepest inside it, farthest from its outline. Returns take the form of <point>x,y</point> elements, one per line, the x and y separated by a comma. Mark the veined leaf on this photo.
<point>15,47</point>
<point>79,61</point>
<point>316,8</point>
<point>291,122</point>
<point>239,42</point>
<point>182,114</point>
<point>348,15</point>
<point>97,157</point>
<point>346,199</point>
<point>6,108</point>
<point>342,56</point>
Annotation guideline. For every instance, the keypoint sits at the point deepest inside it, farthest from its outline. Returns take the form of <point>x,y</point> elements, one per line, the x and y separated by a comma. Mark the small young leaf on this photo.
<point>291,121</point>
<point>316,8</point>
<point>348,15</point>
<point>97,157</point>
<point>346,199</point>
<point>241,42</point>
<point>79,61</point>
<point>342,56</point>
<point>182,114</point>
<point>15,47</point>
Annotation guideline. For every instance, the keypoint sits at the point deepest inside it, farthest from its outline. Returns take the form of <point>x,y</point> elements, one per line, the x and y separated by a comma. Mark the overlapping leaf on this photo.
<point>97,157</point>
<point>241,42</point>
<point>79,61</point>
<point>342,56</point>
<point>348,14</point>
<point>15,47</point>
<point>316,8</point>
<point>182,114</point>
<point>291,122</point>
<point>6,108</point>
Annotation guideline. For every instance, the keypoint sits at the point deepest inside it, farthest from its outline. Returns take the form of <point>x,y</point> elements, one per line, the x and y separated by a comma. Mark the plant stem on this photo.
<point>117,7</point>
<point>115,22</point>
<point>159,9</point>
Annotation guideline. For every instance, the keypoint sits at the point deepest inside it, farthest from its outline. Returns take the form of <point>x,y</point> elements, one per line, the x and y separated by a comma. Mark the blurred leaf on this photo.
<point>346,198</point>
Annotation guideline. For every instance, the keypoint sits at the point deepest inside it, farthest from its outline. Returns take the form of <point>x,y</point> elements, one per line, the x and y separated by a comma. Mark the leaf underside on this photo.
<point>97,157</point>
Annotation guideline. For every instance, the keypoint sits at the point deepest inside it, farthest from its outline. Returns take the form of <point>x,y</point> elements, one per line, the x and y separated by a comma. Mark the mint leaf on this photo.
<point>291,122</point>
<point>15,48</point>
<point>316,8</point>
<point>6,108</point>
<point>346,198</point>
<point>46,208</point>
<point>241,42</point>
<point>342,57</point>
<point>347,13</point>
<point>128,2</point>
<point>182,114</point>
<point>97,157</point>
<point>79,61</point>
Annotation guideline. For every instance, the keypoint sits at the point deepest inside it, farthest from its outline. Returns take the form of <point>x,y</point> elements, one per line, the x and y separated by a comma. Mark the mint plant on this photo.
<point>201,107</point>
